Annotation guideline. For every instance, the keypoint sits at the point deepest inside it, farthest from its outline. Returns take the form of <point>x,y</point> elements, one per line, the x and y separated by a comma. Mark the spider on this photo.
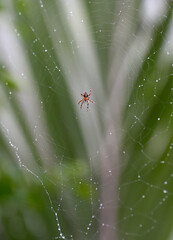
<point>86,98</point>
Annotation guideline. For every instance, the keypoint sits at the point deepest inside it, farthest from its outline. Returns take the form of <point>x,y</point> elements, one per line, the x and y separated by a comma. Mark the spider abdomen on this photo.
<point>85,94</point>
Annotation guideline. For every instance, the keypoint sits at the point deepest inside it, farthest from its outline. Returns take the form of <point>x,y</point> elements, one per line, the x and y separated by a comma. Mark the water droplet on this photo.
<point>71,13</point>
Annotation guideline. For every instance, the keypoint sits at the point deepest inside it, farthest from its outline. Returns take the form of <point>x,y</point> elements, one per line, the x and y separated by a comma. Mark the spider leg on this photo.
<point>91,101</point>
<point>87,105</point>
<point>89,93</point>
<point>81,104</point>
<point>80,101</point>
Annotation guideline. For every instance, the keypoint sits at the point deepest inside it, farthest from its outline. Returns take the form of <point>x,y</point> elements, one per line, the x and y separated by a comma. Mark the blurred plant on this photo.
<point>63,48</point>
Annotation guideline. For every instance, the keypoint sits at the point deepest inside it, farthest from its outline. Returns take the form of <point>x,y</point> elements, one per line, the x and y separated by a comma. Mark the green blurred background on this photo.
<point>68,173</point>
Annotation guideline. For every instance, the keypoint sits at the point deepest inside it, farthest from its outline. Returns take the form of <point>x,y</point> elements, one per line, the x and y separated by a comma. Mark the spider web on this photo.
<point>100,174</point>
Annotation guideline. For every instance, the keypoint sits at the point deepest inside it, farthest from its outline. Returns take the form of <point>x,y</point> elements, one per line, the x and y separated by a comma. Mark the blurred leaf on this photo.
<point>7,80</point>
<point>64,194</point>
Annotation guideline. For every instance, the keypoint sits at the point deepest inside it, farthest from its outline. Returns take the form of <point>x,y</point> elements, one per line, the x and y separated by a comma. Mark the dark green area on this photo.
<point>42,198</point>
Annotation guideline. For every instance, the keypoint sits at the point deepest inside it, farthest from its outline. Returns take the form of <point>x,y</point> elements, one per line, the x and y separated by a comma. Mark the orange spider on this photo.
<point>86,98</point>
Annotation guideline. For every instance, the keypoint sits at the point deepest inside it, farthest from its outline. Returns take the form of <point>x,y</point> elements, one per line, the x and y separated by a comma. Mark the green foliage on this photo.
<point>7,80</point>
<point>56,185</point>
